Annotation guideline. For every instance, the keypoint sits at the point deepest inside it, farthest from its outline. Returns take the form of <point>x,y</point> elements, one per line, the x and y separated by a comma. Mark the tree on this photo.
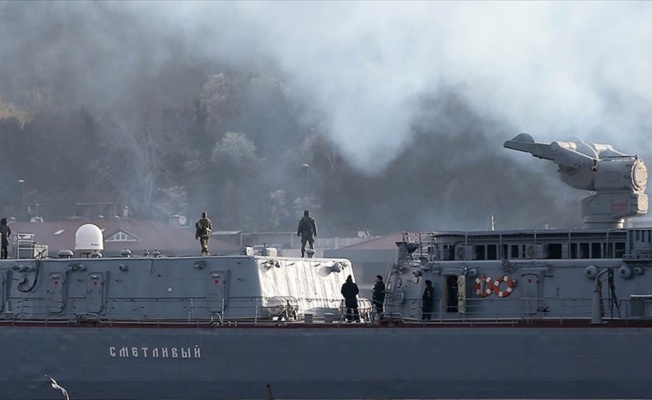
<point>278,211</point>
<point>239,192</point>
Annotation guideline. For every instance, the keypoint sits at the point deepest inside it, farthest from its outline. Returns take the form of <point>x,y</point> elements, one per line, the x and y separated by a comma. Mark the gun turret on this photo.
<point>619,180</point>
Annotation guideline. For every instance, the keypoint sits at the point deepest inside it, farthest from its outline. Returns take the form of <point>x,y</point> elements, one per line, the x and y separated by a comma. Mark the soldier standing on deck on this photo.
<point>203,233</point>
<point>378,296</point>
<point>307,230</point>
<point>427,300</point>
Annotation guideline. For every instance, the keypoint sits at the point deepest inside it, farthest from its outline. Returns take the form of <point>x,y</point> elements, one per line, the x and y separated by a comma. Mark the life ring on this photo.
<point>483,286</point>
<point>510,283</point>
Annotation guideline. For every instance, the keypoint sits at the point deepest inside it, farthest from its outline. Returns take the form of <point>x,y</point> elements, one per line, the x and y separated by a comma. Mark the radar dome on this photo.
<point>89,238</point>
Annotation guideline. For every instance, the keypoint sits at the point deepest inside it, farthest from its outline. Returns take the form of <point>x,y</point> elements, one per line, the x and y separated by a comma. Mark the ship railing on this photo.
<point>637,256</point>
<point>528,310</point>
<point>255,310</point>
<point>263,310</point>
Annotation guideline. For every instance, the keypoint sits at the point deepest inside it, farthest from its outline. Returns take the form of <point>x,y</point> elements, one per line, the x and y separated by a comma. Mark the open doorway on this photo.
<point>451,293</point>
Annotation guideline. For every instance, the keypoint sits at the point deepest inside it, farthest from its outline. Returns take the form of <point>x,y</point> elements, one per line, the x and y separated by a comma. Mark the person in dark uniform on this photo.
<point>378,296</point>
<point>5,230</point>
<point>203,233</point>
<point>427,300</point>
<point>350,293</point>
<point>307,230</point>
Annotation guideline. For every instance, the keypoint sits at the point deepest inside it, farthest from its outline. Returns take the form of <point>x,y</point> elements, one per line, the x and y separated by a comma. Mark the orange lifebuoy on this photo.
<point>509,282</point>
<point>483,286</point>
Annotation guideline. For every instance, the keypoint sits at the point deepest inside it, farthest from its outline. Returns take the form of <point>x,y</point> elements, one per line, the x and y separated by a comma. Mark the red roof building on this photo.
<point>370,258</point>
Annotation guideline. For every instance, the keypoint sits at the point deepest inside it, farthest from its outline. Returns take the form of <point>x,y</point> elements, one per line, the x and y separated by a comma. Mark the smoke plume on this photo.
<point>374,76</point>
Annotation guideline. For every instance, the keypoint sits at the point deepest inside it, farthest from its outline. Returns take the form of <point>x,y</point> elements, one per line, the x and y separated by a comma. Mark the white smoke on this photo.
<point>552,69</point>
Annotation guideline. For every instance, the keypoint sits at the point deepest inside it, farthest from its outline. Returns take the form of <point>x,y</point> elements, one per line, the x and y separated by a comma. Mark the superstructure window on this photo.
<point>619,250</point>
<point>492,252</point>
<point>448,253</point>
<point>479,252</point>
<point>555,251</point>
<point>596,250</point>
<point>584,250</point>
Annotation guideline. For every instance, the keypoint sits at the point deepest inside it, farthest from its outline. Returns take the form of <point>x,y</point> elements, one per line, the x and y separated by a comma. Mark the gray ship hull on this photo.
<point>319,362</point>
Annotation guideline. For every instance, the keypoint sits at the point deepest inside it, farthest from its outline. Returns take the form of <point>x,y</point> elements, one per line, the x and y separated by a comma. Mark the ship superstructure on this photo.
<point>530,276</point>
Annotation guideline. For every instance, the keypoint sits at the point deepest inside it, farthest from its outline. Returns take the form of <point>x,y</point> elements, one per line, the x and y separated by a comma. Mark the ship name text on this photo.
<point>154,352</point>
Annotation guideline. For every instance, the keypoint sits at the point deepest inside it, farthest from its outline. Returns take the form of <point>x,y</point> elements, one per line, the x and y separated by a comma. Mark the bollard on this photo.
<point>328,318</point>
<point>307,318</point>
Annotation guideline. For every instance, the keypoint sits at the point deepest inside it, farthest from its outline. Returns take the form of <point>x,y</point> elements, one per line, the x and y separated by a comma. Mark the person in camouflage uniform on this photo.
<point>203,233</point>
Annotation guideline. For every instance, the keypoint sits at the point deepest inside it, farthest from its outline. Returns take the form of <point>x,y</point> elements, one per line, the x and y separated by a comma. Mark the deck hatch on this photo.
<point>217,286</point>
<point>95,293</point>
<point>531,292</point>
<point>54,292</point>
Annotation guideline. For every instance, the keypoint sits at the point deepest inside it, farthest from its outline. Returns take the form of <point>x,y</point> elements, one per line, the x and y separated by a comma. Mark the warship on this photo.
<point>534,314</point>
